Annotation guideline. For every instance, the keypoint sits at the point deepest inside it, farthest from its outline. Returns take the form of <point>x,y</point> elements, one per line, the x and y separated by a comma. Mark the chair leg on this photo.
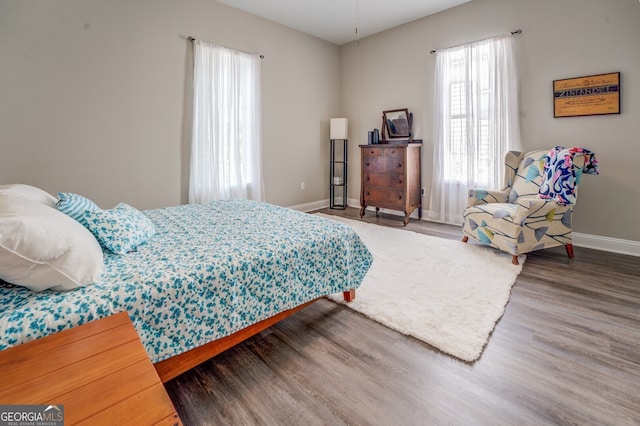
<point>514,259</point>
<point>569,248</point>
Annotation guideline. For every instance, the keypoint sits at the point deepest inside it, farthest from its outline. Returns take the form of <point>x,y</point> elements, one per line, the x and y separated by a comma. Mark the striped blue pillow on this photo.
<point>75,205</point>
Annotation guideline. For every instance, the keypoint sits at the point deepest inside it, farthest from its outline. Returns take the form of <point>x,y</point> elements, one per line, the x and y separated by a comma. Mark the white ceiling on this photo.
<point>335,20</point>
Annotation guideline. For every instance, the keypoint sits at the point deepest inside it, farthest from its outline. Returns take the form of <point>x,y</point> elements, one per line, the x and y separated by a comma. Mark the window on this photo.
<point>226,147</point>
<point>476,122</point>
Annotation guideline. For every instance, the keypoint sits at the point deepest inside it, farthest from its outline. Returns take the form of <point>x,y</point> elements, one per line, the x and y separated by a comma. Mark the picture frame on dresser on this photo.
<point>397,124</point>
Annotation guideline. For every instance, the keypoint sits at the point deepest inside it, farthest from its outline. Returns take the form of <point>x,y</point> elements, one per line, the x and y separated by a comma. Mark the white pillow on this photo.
<point>30,192</point>
<point>42,248</point>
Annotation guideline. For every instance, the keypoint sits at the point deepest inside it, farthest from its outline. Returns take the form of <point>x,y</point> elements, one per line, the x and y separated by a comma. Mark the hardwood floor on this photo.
<point>566,351</point>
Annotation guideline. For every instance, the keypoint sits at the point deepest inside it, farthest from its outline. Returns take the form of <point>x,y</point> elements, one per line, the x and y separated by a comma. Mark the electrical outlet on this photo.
<point>422,191</point>
<point>301,186</point>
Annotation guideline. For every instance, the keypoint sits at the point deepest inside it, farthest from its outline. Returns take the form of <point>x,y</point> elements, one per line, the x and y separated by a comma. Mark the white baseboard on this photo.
<point>596,242</point>
<point>615,245</point>
<point>314,205</point>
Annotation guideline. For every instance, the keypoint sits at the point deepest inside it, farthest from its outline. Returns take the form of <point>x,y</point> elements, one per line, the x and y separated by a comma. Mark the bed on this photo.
<point>212,275</point>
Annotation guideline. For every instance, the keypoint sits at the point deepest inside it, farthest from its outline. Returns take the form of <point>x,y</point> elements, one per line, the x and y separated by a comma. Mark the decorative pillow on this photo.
<point>41,248</point>
<point>120,230</point>
<point>75,205</point>
<point>29,192</point>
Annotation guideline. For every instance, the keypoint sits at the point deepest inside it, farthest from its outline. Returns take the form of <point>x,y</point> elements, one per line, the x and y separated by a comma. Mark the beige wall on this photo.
<point>561,39</point>
<point>95,97</point>
<point>95,94</point>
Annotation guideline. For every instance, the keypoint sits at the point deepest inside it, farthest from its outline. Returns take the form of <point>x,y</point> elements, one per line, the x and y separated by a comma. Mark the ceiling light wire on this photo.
<point>357,22</point>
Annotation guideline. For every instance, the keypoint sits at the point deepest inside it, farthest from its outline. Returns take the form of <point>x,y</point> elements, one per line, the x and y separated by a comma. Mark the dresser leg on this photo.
<point>377,210</point>
<point>406,219</point>
<point>362,208</point>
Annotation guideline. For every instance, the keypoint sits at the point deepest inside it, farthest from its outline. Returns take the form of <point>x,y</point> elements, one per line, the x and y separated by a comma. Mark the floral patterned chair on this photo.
<point>525,216</point>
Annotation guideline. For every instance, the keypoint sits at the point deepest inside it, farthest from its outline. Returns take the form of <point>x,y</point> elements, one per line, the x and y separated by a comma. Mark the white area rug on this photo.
<point>444,292</point>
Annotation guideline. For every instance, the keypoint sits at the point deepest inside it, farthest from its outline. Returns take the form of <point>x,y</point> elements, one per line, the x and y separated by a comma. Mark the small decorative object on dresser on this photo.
<point>391,177</point>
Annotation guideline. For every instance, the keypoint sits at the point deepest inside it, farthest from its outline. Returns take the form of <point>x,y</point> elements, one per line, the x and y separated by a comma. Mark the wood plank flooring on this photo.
<point>566,351</point>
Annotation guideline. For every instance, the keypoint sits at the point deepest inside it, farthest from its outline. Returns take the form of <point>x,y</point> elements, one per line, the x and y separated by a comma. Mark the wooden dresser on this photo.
<point>391,177</point>
<point>99,372</point>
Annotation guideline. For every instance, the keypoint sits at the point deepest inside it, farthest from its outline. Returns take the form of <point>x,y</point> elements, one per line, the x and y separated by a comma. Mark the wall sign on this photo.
<point>589,95</point>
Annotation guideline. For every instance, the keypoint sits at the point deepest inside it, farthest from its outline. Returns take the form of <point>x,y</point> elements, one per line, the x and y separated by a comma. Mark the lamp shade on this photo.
<point>339,128</point>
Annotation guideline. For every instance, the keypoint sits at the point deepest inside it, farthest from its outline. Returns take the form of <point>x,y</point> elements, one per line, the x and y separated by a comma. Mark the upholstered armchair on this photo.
<point>517,220</point>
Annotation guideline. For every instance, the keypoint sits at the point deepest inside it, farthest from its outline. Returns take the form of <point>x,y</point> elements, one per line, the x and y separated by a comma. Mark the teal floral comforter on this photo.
<point>209,271</point>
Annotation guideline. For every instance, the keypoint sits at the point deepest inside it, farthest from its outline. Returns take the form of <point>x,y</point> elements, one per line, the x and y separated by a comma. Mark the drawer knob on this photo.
<point>399,180</point>
<point>399,164</point>
<point>367,193</point>
<point>399,197</point>
<point>373,152</point>
<point>368,178</point>
<point>366,164</point>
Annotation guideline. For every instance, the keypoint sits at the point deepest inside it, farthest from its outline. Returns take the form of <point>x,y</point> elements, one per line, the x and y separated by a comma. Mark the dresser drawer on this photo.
<point>393,152</point>
<point>374,164</point>
<point>383,164</point>
<point>374,179</point>
<point>386,180</point>
<point>394,164</point>
<point>384,195</point>
<point>395,181</point>
<point>372,152</point>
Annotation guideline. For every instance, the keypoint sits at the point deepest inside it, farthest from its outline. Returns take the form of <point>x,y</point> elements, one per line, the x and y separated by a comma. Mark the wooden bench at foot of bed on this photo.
<point>174,366</point>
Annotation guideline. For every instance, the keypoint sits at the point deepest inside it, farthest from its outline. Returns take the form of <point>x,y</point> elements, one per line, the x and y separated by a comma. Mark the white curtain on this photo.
<point>476,122</point>
<point>226,157</point>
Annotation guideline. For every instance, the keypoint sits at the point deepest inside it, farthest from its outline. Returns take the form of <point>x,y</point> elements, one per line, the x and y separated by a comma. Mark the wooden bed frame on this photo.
<point>176,365</point>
